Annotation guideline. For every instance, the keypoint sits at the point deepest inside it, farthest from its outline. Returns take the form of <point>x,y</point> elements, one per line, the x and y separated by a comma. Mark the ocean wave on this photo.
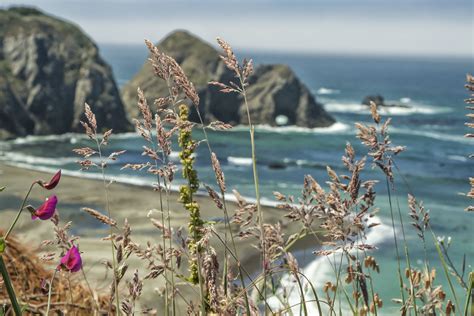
<point>239,161</point>
<point>34,160</point>
<point>431,134</point>
<point>303,163</point>
<point>17,157</point>
<point>457,158</point>
<point>334,128</point>
<point>326,91</point>
<point>414,108</point>
<point>72,137</point>
<point>320,270</point>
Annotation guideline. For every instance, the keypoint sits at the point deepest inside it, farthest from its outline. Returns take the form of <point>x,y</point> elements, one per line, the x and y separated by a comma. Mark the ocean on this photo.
<point>435,162</point>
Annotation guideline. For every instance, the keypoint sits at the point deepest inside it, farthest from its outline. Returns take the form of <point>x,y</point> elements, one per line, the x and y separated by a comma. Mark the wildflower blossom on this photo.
<point>46,210</point>
<point>52,183</point>
<point>71,261</point>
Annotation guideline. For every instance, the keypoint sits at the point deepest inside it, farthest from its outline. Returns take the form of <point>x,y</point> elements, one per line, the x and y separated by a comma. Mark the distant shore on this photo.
<point>126,201</point>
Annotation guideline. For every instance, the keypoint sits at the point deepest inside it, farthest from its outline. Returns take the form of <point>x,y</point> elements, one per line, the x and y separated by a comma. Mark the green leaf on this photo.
<point>2,188</point>
<point>2,245</point>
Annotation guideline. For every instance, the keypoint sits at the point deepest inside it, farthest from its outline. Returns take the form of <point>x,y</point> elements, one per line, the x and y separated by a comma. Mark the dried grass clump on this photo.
<point>30,276</point>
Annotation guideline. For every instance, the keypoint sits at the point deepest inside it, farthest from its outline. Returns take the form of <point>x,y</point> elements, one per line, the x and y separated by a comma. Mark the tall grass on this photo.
<point>334,219</point>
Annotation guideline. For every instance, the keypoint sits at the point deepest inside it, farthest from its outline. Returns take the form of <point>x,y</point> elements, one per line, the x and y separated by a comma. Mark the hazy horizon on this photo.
<point>377,28</point>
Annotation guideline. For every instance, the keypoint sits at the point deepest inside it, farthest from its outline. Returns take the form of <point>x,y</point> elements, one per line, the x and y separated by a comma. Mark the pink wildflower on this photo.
<point>46,210</point>
<point>53,182</point>
<point>71,261</point>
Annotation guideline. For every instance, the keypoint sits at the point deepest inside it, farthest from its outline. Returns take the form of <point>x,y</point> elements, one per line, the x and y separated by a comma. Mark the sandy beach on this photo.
<point>126,201</point>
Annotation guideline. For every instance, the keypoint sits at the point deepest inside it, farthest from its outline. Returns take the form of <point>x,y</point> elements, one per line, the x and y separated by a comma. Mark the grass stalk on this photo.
<point>303,301</point>
<point>50,290</point>
<point>399,268</point>
<point>445,268</point>
<point>90,290</point>
<point>256,182</point>
<point>109,214</point>
<point>23,203</point>
<point>9,287</point>
<point>407,256</point>
<point>228,229</point>
<point>469,295</point>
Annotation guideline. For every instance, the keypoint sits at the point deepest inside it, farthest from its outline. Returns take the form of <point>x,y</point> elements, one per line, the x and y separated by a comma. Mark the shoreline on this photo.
<point>127,201</point>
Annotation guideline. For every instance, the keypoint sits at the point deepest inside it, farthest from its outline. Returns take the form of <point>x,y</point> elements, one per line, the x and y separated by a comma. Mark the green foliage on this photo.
<point>196,224</point>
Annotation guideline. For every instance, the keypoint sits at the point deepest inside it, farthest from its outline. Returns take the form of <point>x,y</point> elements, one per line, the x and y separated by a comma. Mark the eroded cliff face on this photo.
<point>49,69</point>
<point>275,91</point>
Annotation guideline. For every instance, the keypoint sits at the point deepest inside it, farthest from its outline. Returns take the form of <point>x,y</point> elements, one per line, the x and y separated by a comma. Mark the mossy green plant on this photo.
<point>187,145</point>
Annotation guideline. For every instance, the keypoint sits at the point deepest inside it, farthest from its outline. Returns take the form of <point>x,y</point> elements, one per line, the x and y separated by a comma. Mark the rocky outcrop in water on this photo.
<point>380,101</point>
<point>48,69</point>
<point>276,95</point>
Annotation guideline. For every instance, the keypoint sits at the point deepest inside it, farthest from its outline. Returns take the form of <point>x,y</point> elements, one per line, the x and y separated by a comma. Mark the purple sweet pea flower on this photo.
<point>71,261</point>
<point>53,182</point>
<point>46,210</point>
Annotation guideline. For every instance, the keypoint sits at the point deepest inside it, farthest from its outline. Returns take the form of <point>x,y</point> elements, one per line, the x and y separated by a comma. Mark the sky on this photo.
<point>346,27</point>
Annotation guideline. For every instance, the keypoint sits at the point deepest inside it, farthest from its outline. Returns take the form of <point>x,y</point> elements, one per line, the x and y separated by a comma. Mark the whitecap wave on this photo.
<point>72,137</point>
<point>326,91</point>
<point>25,159</point>
<point>36,160</point>
<point>431,134</point>
<point>239,161</point>
<point>337,127</point>
<point>457,158</point>
<point>357,108</point>
<point>320,270</point>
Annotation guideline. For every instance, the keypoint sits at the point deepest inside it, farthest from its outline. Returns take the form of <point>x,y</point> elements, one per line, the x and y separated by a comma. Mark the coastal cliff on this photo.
<point>48,69</point>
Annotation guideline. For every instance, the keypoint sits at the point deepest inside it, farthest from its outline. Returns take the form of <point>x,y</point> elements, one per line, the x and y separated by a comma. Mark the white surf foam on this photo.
<point>320,270</point>
<point>337,127</point>
<point>457,158</point>
<point>414,108</point>
<point>327,91</point>
<point>239,161</point>
<point>34,160</point>
<point>432,134</point>
<point>72,137</point>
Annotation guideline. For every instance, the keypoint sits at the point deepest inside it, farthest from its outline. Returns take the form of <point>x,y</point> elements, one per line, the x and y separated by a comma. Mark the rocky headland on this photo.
<point>48,69</point>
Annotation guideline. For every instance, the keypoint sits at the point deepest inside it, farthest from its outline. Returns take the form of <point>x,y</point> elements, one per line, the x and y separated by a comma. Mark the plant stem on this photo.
<point>469,294</point>
<point>257,191</point>
<point>50,290</point>
<point>396,242</point>
<point>445,268</point>
<point>9,287</point>
<point>107,205</point>
<point>407,256</point>
<point>90,289</point>
<point>227,228</point>
<point>19,211</point>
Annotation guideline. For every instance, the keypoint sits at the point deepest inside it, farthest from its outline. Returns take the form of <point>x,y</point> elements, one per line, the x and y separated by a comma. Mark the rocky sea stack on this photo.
<point>48,69</point>
<point>274,92</point>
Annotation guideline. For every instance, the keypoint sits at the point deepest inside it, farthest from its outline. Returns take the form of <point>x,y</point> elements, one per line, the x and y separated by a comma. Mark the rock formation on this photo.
<point>48,69</point>
<point>380,101</point>
<point>274,91</point>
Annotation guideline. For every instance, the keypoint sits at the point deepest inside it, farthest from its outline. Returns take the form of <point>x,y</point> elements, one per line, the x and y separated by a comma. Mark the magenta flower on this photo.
<point>46,210</point>
<point>53,182</point>
<point>71,261</point>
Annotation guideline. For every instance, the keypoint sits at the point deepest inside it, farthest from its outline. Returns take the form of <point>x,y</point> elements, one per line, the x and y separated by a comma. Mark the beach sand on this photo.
<point>126,202</point>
